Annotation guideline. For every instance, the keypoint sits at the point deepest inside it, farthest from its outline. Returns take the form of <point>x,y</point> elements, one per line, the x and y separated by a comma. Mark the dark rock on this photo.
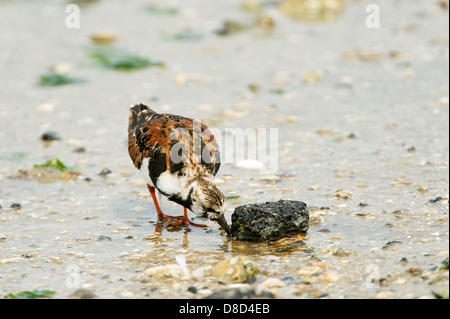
<point>192,289</point>
<point>103,238</point>
<point>15,206</point>
<point>391,243</point>
<point>269,221</point>
<point>363,204</point>
<point>50,136</point>
<point>79,150</point>
<point>105,171</point>
<point>435,200</point>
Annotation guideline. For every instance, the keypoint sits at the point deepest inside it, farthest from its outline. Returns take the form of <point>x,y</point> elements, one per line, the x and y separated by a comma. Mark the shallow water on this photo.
<point>377,129</point>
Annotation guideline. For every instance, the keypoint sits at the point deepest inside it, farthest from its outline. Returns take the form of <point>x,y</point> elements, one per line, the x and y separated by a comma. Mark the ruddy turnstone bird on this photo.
<point>179,157</point>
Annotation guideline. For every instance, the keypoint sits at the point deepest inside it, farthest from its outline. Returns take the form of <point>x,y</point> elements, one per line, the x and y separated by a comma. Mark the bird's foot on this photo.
<point>162,216</point>
<point>180,220</point>
<point>186,221</point>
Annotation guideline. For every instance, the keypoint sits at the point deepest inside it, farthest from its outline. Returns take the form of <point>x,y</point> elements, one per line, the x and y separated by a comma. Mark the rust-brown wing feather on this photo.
<point>174,143</point>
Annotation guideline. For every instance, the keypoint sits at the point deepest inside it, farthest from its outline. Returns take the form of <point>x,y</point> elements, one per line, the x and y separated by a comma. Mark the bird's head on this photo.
<point>208,202</point>
<point>139,113</point>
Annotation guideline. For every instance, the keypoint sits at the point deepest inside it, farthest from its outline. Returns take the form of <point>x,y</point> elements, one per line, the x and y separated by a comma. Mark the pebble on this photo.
<point>15,206</point>
<point>290,119</point>
<point>103,37</point>
<point>252,5</point>
<point>313,10</point>
<point>200,272</point>
<point>340,253</point>
<point>254,88</point>
<point>329,277</point>
<point>105,171</point>
<point>270,178</point>
<point>103,238</point>
<point>10,260</point>
<point>46,107</point>
<point>310,271</point>
<point>180,79</point>
<point>312,77</point>
<point>62,69</point>
<point>50,136</point>
<point>79,150</point>
<point>237,269</point>
<point>266,22</point>
<point>340,194</point>
<point>363,204</point>
<point>192,289</point>
<point>172,271</point>
<point>270,284</point>
<point>123,228</point>
<point>435,200</point>
<point>391,244</point>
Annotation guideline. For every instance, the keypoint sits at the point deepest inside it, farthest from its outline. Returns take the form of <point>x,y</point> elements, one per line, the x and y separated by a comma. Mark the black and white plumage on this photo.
<point>179,157</point>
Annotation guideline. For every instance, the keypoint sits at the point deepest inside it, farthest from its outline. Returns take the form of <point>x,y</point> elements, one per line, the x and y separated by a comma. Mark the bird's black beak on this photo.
<point>223,223</point>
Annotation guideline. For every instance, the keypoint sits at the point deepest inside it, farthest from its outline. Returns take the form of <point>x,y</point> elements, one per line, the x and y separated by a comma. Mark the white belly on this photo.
<point>171,184</point>
<point>145,173</point>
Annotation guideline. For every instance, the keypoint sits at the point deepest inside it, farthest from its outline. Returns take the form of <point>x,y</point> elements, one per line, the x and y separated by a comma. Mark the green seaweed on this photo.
<point>232,197</point>
<point>153,9</point>
<point>52,79</point>
<point>55,164</point>
<point>120,60</point>
<point>445,264</point>
<point>184,36</point>
<point>35,294</point>
<point>277,91</point>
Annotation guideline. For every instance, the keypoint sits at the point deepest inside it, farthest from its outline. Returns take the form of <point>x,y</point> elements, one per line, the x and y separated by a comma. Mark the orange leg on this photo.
<point>158,209</point>
<point>185,219</point>
<point>180,219</point>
